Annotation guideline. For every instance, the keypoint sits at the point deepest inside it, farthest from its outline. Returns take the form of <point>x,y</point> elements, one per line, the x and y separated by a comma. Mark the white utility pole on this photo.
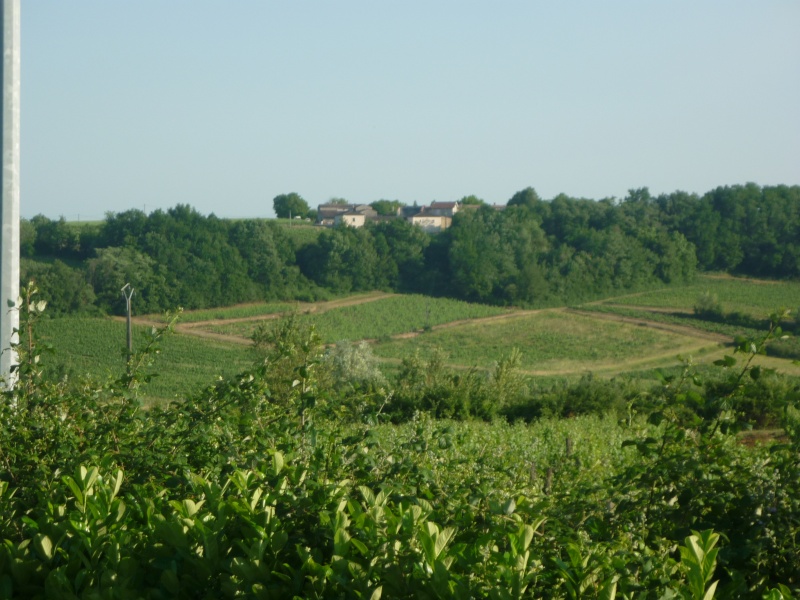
<point>9,183</point>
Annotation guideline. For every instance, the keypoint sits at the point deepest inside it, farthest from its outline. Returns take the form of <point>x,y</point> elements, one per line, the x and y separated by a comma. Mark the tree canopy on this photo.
<point>387,207</point>
<point>532,253</point>
<point>290,205</point>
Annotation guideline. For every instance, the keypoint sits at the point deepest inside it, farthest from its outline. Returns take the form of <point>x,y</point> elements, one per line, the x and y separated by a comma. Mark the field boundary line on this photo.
<point>195,327</point>
<point>684,330</point>
<point>301,308</point>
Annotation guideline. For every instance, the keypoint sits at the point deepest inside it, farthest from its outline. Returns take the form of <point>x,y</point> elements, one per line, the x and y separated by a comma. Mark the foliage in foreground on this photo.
<point>257,488</point>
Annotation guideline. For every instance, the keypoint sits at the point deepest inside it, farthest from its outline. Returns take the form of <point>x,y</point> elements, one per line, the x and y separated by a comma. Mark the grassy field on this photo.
<point>301,233</point>
<point>379,319</point>
<point>550,341</point>
<point>752,297</point>
<point>553,342</point>
<point>96,347</point>
<point>677,318</point>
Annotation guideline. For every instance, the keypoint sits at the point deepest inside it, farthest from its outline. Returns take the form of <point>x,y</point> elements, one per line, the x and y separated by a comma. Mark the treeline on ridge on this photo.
<point>532,253</point>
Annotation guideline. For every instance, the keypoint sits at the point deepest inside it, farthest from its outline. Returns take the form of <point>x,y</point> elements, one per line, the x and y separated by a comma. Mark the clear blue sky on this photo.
<point>224,105</point>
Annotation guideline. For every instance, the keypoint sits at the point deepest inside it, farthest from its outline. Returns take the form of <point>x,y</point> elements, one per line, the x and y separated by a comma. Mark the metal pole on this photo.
<point>127,293</point>
<point>9,182</point>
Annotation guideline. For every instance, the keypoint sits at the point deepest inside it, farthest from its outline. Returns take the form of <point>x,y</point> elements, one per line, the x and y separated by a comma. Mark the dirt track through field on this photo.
<point>305,308</point>
<point>684,330</point>
<point>195,328</point>
<point>710,345</point>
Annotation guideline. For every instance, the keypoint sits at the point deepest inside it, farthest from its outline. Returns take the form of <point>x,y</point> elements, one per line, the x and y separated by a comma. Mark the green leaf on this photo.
<point>170,582</point>
<point>43,545</point>
<point>257,493</point>
<point>74,487</point>
<point>369,497</point>
<point>710,591</point>
<point>779,593</point>
<point>190,507</point>
<point>117,483</point>
<point>509,507</point>
<point>728,361</point>
<point>89,476</point>
<point>277,462</point>
<point>121,509</point>
<point>526,537</point>
<point>360,546</point>
<point>609,591</point>
<point>443,539</point>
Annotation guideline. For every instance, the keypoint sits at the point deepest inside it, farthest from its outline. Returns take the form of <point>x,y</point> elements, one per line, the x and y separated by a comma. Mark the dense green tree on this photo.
<point>201,267</point>
<point>114,267</point>
<point>386,207</point>
<point>344,259</point>
<point>533,252</point>
<point>290,205</point>
<point>27,238</point>
<point>123,229</point>
<point>55,238</point>
<point>487,251</point>
<point>63,287</point>
<point>743,229</point>
<point>638,209</point>
<point>696,220</point>
<point>268,254</point>
<point>401,250</point>
<point>769,230</point>
<point>527,197</point>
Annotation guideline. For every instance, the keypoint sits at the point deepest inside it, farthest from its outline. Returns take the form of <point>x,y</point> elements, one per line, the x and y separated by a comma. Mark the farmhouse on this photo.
<point>433,218</point>
<point>436,217</point>
<point>443,209</point>
<point>354,215</point>
<point>430,223</point>
<point>352,218</point>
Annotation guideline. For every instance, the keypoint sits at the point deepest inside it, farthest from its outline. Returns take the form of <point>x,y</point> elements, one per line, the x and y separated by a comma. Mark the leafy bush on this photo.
<point>353,364</point>
<point>589,395</point>
<point>788,347</point>
<point>708,306</point>
<point>253,488</point>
